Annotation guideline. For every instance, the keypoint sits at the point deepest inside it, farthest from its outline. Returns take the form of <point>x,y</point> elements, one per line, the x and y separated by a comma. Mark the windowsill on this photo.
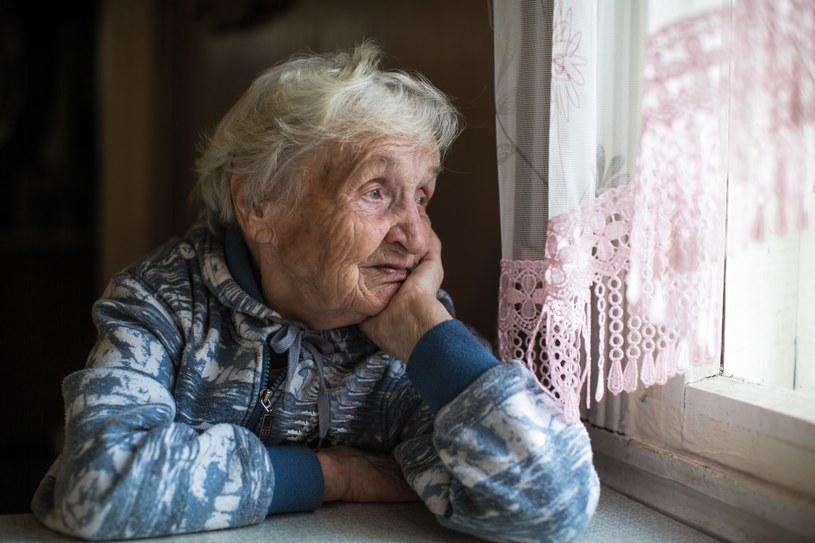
<point>729,430</point>
<point>753,428</point>
<point>797,409</point>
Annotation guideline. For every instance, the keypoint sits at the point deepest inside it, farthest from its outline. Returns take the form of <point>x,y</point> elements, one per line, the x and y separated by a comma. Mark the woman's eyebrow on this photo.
<point>389,163</point>
<point>379,160</point>
<point>374,162</point>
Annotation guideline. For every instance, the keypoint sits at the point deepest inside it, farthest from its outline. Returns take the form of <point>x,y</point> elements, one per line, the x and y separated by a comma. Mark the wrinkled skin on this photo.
<point>360,229</point>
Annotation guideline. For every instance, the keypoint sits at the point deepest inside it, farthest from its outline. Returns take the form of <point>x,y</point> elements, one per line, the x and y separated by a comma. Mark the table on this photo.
<point>617,519</point>
<point>334,522</point>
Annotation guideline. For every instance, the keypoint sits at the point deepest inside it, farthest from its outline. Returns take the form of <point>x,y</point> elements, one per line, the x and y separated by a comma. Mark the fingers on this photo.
<point>430,271</point>
<point>413,309</point>
<point>359,476</point>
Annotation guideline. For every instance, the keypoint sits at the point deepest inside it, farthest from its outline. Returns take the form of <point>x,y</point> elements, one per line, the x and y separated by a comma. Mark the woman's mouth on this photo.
<point>395,272</point>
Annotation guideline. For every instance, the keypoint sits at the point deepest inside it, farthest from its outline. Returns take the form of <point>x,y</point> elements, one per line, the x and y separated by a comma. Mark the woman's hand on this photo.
<point>353,475</point>
<point>413,310</point>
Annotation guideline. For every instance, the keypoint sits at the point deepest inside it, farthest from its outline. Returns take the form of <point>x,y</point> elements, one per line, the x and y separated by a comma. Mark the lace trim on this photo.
<point>546,306</point>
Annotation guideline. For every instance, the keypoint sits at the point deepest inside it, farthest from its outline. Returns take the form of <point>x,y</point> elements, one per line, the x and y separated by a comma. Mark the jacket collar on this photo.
<point>239,263</point>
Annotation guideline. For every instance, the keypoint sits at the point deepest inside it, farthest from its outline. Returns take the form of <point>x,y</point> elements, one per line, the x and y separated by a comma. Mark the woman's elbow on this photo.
<point>48,508</point>
<point>575,507</point>
<point>559,510</point>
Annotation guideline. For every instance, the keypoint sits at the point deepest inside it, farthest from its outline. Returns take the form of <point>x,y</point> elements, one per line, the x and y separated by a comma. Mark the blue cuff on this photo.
<point>298,479</point>
<point>446,361</point>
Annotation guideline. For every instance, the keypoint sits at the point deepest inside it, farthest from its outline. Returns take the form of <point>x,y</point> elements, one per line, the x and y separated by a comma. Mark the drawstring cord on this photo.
<point>293,338</point>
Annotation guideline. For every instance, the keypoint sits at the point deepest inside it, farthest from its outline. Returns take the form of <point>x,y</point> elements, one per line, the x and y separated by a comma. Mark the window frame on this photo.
<point>732,458</point>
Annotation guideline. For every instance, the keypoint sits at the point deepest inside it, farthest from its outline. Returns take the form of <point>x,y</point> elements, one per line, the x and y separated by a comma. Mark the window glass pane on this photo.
<point>770,299</point>
<point>761,310</point>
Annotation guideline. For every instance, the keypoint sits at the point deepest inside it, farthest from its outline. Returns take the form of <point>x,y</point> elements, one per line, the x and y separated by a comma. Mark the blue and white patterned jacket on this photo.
<point>163,426</point>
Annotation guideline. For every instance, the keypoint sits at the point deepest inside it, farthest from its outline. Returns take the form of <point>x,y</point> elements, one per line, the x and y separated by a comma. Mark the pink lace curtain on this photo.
<point>619,127</point>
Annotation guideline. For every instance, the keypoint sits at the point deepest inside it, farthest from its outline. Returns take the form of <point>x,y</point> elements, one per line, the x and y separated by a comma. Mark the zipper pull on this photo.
<point>266,419</point>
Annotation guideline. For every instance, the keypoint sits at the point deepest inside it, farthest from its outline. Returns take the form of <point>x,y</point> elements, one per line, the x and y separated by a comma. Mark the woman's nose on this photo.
<point>410,229</point>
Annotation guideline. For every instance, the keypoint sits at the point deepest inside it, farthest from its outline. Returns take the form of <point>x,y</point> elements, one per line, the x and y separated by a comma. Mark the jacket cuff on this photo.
<point>298,479</point>
<point>445,361</point>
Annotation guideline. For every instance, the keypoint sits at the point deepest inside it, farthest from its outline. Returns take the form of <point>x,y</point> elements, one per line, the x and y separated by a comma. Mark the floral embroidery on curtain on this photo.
<point>622,267</point>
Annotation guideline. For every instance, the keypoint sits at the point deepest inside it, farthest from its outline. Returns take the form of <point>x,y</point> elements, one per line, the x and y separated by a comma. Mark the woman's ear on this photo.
<point>255,222</point>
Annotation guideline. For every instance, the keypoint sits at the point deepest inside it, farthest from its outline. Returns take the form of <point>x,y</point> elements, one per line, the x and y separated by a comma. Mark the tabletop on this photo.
<point>617,519</point>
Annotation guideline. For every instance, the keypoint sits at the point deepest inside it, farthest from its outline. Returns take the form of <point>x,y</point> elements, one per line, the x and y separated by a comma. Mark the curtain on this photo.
<point>622,129</point>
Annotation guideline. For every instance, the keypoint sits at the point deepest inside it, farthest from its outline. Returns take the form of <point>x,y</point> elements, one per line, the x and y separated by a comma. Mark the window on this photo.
<point>722,84</point>
<point>730,448</point>
<point>770,306</point>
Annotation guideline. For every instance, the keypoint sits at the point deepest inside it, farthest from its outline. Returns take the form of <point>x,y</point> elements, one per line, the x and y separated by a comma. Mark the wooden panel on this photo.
<point>128,207</point>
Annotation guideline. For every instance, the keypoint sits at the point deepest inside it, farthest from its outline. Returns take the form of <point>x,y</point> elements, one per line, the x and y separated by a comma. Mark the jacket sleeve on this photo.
<point>497,459</point>
<point>127,468</point>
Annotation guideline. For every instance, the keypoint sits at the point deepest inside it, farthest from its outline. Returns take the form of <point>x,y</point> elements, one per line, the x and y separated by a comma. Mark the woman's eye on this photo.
<point>421,201</point>
<point>374,194</point>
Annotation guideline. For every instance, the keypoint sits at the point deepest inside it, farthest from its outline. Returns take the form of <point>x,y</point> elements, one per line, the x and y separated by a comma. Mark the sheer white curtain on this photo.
<point>619,125</point>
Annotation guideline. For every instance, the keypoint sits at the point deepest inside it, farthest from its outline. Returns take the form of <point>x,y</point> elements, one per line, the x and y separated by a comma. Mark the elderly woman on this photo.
<point>296,349</point>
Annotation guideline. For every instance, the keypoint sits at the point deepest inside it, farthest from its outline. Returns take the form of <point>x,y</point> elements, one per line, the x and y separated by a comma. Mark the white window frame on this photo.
<point>714,463</point>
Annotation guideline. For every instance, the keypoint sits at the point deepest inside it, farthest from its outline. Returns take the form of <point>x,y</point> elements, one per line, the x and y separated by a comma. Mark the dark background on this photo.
<point>47,223</point>
<point>102,104</point>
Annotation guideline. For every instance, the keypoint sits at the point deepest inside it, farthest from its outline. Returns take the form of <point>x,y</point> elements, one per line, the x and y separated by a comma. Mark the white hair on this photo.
<point>293,110</point>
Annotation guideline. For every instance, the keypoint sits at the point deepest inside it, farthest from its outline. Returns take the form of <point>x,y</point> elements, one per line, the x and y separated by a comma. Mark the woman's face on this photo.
<point>356,234</point>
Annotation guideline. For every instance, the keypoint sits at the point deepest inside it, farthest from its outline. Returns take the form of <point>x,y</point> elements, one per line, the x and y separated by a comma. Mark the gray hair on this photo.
<point>294,109</point>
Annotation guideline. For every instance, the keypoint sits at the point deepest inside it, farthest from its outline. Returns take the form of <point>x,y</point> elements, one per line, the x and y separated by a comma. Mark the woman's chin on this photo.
<point>385,293</point>
<point>379,300</point>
